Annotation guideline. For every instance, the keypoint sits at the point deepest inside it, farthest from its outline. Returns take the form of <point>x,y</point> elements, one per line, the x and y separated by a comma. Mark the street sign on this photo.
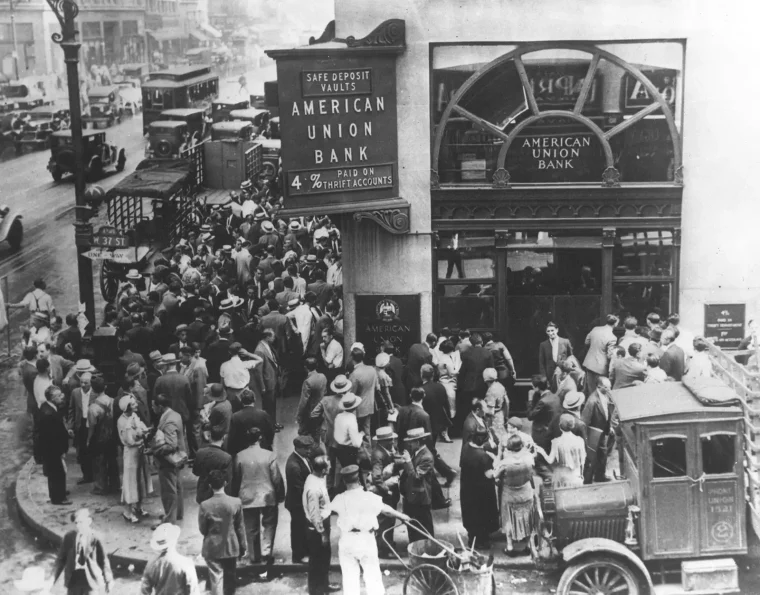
<point>120,256</point>
<point>108,237</point>
<point>724,324</point>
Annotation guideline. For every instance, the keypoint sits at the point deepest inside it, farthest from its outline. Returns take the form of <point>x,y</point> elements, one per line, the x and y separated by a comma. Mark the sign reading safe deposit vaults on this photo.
<point>338,125</point>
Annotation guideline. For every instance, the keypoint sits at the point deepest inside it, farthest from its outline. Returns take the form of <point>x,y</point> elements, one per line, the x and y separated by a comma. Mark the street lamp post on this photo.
<point>66,12</point>
<point>13,40</point>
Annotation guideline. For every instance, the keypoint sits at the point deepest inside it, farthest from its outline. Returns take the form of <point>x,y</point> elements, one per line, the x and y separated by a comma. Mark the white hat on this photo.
<point>229,303</point>
<point>382,359</point>
<point>133,275</point>
<point>267,227</point>
<point>165,536</point>
<point>490,374</point>
<point>33,579</point>
<point>359,346</point>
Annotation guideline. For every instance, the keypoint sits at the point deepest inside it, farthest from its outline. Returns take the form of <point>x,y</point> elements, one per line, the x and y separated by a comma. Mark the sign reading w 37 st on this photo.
<point>338,127</point>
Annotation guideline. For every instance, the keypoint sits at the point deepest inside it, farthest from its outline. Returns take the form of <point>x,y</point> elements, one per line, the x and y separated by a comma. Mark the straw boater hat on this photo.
<point>573,400</point>
<point>168,359</point>
<point>340,385</point>
<point>83,365</point>
<point>230,303</point>
<point>267,227</point>
<point>206,236</point>
<point>294,225</point>
<point>385,433</point>
<point>294,303</point>
<point>33,579</point>
<point>164,536</point>
<point>311,258</point>
<point>226,248</point>
<point>245,185</point>
<point>382,359</point>
<point>350,401</point>
<point>133,275</point>
<point>416,434</point>
<point>489,374</point>
<point>205,228</point>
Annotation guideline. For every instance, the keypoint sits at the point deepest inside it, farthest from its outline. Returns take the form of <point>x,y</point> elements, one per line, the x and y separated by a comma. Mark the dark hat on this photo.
<point>350,470</point>
<point>133,369</point>
<point>303,442</point>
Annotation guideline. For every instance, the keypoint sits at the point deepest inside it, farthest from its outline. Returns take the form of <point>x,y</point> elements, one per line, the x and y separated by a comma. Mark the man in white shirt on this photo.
<point>235,373</point>
<point>332,354</point>
<point>357,512</point>
<point>79,424</point>
<point>37,300</point>
<point>301,318</point>
<point>335,272</point>
<point>316,505</point>
<point>684,337</point>
<point>346,432</point>
<point>40,331</point>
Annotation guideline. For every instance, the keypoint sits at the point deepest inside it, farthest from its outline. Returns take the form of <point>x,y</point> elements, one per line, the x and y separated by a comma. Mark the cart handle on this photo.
<point>384,535</point>
<point>416,525</point>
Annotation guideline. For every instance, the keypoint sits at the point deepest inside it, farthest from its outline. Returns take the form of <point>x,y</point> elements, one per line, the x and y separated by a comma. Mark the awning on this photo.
<point>211,31</point>
<point>200,36</point>
<point>392,214</point>
<point>166,34</point>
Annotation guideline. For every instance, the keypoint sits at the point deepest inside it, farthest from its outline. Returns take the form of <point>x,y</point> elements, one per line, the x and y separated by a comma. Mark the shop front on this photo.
<point>555,187</point>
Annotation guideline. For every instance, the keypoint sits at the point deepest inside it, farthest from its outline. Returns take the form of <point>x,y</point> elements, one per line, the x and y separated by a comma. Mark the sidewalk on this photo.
<point>129,544</point>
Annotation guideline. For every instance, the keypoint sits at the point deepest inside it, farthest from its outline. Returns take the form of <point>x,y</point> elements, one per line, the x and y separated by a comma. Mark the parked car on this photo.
<point>105,106</point>
<point>99,155</point>
<point>271,148</point>
<point>198,123</point>
<point>131,95</point>
<point>166,138</point>
<point>221,108</point>
<point>25,94</point>
<point>259,118</point>
<point>40,124</point>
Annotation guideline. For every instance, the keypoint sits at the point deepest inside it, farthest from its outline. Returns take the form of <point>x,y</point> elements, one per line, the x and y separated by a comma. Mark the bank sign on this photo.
<point>338,126</point>
<point>555,157</point>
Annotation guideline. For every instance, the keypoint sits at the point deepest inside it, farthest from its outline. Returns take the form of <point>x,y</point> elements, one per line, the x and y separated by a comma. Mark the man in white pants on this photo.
<point>357,512</point>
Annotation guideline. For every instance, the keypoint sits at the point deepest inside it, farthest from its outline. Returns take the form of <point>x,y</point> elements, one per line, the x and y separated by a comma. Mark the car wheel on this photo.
<point>603,575</point>
<point>57,174</point>
<point>16,235</point>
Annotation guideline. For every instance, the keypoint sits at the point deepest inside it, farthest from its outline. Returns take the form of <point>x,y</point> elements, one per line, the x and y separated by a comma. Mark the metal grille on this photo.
<point>181,217</point>
<point>124,212</point>
<point>197,163</point>
<point>613,529</point>
<point>253,162</point>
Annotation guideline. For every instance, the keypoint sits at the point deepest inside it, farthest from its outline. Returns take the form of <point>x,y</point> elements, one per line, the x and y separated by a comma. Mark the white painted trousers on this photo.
<point>355,551</point>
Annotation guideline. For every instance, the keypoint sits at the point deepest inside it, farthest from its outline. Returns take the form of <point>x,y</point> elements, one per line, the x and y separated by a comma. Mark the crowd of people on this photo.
<point>247,310</point>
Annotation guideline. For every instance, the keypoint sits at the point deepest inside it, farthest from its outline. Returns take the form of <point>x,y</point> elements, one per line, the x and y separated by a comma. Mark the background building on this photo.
<point>112,32</point>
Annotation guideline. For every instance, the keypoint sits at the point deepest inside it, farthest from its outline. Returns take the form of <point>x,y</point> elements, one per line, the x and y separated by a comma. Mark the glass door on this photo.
<point>551,276</point>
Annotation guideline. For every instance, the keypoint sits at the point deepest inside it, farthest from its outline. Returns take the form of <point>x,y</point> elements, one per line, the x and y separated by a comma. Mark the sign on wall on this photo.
<point>636,96</point>
<point>338,127</point>
<point>394,318</point>
<point>724,324</point>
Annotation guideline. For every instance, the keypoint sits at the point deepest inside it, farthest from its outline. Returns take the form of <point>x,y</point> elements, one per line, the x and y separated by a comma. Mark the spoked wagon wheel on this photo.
<point>427,579</point>
<point>598,576</point>
<point>109,280</point>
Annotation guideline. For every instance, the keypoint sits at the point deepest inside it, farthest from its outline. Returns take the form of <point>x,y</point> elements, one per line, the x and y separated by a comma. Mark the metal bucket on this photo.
<point>472,581</point>
<point>436,555</point>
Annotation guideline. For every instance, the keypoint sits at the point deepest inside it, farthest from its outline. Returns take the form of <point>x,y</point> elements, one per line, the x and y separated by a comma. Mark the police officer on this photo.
<point>357,512</point>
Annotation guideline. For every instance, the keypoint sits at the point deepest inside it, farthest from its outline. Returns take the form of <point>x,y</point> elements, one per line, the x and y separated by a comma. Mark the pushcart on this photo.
<point>442,569</point>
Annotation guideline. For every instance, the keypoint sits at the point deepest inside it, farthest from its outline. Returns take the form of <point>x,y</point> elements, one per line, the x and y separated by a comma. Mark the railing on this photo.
<point>746,384</point>
<point>254,160</point>
<point>197,163</point>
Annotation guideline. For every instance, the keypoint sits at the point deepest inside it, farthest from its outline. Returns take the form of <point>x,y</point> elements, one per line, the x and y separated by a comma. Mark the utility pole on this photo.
<point>13,39</point>
<point>66,11</point>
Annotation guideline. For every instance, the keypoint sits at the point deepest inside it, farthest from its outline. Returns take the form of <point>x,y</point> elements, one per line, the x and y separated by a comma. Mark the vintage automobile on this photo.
<point>25,94</point>
<point>198,123</point>
<point>221,108</point>
<point>274,127</point>
<point>98,154</point>
<point>234,130</point>
<point>166,138</point>
<point>259,118</point>
<point>272,149</point>
<point>11,228</point>
<point>41,123</point>
<point>131,95</point>
<point>106,106</point>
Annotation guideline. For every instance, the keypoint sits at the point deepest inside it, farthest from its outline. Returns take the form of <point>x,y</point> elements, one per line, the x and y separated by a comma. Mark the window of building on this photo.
<point>718,453</point>
<point>129,28</point>
<point>91,31</point>
<point>669,457</point>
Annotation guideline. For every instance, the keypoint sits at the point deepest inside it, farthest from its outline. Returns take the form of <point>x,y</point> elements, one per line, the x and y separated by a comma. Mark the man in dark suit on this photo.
<point>220,521</point>
<point>321,288</point>
<point>412,416</point>
<point>280,325</point>
<point>54,445</point>
<point>77,414</point>
<point>436,404</point>
<point>28,372</point>
<point>312,392</point>
<point>69,341</point>
<point>471,384</point>
<point>211,457</point>
<point>601,414</point>
<point>176,386</point>
<point>141,337</point>
<point>182,341</point>
<point>170,423</point>
<point>386,465</point>
<point>395,369</point>
<point>545,417</point>
<point>268,374</point>
<point>629,369</point>
<point>82,559</point>
<point>417,480</point>
<point>551,352</point>
<point>218,352</point>
<point>297,469</point>
<point>419,354</point>
<point>245,419</point>
<point>673,359</point>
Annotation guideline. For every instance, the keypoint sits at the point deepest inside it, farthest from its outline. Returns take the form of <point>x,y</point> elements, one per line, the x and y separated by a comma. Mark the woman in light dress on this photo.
<point>449,363</point>
<point>497,403</point>
<point>136,482</point>
<point>568,454</point>
<point>700,365</point>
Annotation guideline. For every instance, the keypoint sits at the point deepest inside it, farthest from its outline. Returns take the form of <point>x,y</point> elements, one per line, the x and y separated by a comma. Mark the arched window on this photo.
<point>557,112</point>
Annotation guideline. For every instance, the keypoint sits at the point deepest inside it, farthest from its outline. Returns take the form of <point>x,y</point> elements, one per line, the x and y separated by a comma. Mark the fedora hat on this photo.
<point>180,328</point>
<point>350,401</point>
<point>168,359</point>
<point>416,434</point>
<point>230,303</point>
<point>573,400</point>
<point>267,227</point>
<point>385,433</point>
<point>340,385</point>
<point>155,356</point>
<point>164,536</point>
<point>311,258</point>
<point>33,579</point>
<point>134,369</point>
<point>133,275</point>
<point>84,365</point>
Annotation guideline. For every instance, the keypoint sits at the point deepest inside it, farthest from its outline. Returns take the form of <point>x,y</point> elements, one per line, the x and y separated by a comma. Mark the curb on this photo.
<point>24,504</point>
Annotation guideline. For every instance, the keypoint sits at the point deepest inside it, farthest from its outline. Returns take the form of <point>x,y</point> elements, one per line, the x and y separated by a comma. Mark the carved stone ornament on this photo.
<point>678,175</point>
<point>611,177</point>
<point>395,221</point>
<point>501,178</point>
<point>387,34</point>
<point>435,182</point>
<point>327,35</point>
